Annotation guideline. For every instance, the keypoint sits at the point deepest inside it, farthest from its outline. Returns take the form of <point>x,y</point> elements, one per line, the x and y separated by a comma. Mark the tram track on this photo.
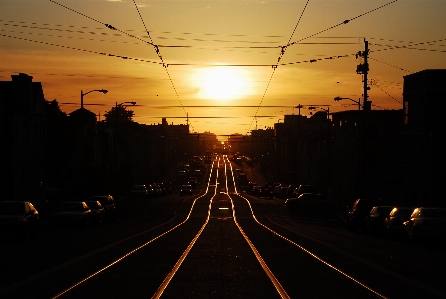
<point>220,244</point>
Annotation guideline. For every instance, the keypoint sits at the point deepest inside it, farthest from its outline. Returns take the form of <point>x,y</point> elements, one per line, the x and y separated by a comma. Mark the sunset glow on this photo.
<point>220,83</point>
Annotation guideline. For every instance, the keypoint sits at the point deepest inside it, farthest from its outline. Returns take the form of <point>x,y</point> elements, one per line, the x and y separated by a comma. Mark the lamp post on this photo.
<point>357,102</point>
<point>104,91</point>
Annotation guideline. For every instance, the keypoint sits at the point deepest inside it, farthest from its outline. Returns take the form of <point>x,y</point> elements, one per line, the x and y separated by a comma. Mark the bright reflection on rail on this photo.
<point>276,283</point>
<point>145,244</point>
<point>305,250</point>
<point>171,274</point>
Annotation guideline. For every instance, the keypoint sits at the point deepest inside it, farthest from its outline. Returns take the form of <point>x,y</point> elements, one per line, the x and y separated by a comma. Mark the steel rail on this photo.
<point>312,254</point>
<point>134,250</point>
<point>269,273</point>
<point>174,270</point>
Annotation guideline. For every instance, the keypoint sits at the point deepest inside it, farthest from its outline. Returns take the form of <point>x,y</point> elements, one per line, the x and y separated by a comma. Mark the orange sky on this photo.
<point>59,45</point>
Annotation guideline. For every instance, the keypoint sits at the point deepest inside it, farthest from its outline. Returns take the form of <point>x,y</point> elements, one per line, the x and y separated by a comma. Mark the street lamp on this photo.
<point>357,102</point>
<point>123,104</point>
<point>104,91</point>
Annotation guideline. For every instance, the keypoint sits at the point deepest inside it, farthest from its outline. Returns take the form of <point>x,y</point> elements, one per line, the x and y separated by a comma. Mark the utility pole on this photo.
<point>363,69</point>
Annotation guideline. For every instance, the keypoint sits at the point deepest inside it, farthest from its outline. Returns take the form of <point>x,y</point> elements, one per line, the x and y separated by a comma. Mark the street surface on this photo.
<point>218,243</point>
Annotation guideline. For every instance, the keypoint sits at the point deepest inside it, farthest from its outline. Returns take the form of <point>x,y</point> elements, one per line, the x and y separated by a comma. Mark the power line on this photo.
<point>342,23</point>
<point>399,102</point>
<point>186,106</point>
<point>390,65</point>
<point>160,57</point>
<point>106,25</point>
<point>282,52</point>
<point>80,49</point>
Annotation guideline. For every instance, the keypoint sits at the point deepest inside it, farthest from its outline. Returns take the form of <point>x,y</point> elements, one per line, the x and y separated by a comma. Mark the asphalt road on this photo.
<point>218,244</point>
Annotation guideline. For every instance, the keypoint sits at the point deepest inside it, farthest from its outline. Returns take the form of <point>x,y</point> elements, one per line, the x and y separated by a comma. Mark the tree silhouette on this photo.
<point>119,114</point>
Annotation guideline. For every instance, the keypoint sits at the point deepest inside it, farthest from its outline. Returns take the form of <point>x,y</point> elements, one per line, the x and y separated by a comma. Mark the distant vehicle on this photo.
<point>255,190</point>
<point>393,223</point>
<point>97,211</point>
<point>426,222</point>
<point>108,203</point>
<point>308,201</point>
<point>151,190</point>
<point>249,187</point>
<point>139,191</point>
<point>182,175</point>
<point>162,187</point>
<point>18,218</point>
<point>72,213</point>
<point>265,191</point>
<point>360,209</point>
<point>193,181</point>
<point>374,221</point>
<point>158,191</point>
<point>186,190</point>
<point>197,173</point>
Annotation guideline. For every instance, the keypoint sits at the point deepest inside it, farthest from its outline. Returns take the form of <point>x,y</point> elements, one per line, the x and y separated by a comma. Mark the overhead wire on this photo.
<point>282,53</point>
<point>400,68</point>
<point>399,102</point>
<point>100,22</point>
<point>161,58</point>
<point>165,65</point>
<point>283,50</point>
<point>342,23</point>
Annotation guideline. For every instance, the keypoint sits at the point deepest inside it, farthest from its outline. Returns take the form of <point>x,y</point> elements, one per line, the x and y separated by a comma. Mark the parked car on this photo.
<point>18,218</point>
<point>139,191</point>
<point>308,201</point>
<point>186,190</point>
<point>265,191</point>
<point>72,213</point>
<point>97,211</point>
<point>426,222</point>
<point>374,221</point>
<point>290,190</point>
<point>108,203</point>
<point>303,189</point>
<point>360,209</point>
<point>393,223</point>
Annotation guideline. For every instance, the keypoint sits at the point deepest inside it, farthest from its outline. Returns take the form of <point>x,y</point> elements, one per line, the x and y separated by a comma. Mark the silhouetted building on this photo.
<point>22,139</point>
<point>366,155</point>
<point>424,147</point>
<point>301,149</point>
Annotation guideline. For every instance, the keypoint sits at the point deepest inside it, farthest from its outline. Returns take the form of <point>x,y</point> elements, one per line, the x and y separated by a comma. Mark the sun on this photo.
<point>222,83</point>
